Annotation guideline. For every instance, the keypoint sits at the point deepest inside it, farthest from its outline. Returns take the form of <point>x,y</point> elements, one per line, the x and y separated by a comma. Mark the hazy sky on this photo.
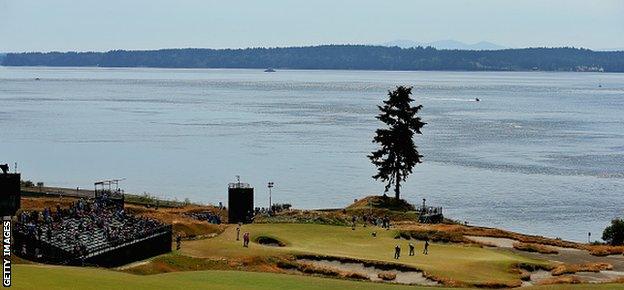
<point>45,25</point>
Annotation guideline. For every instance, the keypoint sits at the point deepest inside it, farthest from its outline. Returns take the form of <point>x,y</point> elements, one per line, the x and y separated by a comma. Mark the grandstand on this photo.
<point>90,232</point>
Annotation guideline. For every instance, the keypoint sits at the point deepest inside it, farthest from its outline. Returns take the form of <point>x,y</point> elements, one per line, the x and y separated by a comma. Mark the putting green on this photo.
<point>461,263</point>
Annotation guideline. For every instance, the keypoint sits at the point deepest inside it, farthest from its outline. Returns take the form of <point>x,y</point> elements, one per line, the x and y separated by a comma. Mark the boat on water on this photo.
<point>269,70</point>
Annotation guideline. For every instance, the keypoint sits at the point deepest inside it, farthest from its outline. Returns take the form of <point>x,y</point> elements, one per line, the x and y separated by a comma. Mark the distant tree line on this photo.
<point>361,57</point>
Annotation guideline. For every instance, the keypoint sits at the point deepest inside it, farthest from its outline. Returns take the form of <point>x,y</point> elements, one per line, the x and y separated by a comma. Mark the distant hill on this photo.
<point>2,55</point>
<point>611,49</point>
<point>445,44</point>
<point>347,57</point>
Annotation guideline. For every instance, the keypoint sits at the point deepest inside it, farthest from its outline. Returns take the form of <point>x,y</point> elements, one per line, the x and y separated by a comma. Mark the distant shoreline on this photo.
<point>337,57</point>
<point>302,70</point>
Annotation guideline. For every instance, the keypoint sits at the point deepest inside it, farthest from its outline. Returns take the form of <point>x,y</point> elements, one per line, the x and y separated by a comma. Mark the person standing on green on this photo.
<point>397,252</point>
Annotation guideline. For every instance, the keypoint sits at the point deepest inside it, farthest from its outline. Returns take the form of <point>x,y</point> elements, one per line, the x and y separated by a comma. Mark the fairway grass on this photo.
<point>454,263</point>
<point>58,277</point>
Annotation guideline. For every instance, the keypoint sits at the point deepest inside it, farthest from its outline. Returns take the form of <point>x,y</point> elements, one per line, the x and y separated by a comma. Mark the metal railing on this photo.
<point>63,256</point>
<point>128,241</point>
<point>239,185</point>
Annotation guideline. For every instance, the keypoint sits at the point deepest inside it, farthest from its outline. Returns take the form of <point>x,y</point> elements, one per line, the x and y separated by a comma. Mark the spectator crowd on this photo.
<point>85,227</point>
<point>205,216</point>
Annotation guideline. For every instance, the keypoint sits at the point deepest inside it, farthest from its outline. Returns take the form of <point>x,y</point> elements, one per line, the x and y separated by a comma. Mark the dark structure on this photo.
<point>154,245</point>
<point>99,252</point>
<point>10,192</point>
<point>94,231</point>
<point>109,189</point>
<point>240,203</point>
<point>430,214</point>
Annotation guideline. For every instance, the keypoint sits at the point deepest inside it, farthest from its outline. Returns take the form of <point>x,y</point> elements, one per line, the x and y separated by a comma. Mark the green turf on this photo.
<point>468,264</point>
<point>50,278</point>
<point>53,277</point>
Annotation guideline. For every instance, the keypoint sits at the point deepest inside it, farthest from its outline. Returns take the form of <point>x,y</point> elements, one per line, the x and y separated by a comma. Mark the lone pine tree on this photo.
<point>397,154</point>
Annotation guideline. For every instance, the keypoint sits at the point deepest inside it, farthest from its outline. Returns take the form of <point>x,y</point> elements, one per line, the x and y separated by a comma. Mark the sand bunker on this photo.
<point>269,241</point>
<point>585,277</point>
<point>402,277</point>
<point>498,242</point>
<point>508,243</point>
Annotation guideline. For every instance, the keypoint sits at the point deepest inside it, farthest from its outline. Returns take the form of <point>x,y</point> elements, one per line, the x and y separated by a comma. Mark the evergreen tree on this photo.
<point>614,234</point>
<point>397,154</point>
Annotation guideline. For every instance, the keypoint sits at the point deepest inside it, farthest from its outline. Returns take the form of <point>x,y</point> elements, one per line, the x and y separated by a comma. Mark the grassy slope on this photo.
<point>468,264</point>
<point>52,278</point>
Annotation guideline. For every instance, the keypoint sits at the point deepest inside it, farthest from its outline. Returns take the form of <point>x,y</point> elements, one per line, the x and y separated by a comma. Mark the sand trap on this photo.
<point>402,277</point>
<point>599,277</point>
<point>132,265</point>
<point>537,277</point>
<point>498,242</point>
<point>269,241</point>
<point>508,243</point>
<point>585,277</point>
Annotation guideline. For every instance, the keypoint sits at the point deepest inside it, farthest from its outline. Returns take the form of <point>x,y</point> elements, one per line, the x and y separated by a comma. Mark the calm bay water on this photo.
<point>542,153</point>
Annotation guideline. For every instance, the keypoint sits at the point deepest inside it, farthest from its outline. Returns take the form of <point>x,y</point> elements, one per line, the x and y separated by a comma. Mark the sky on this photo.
<point>87,25</point>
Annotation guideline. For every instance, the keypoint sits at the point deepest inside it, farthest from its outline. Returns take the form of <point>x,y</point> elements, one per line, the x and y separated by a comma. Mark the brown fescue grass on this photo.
<point>530,247</point>
<point>534,267</point>
<point>574,268</point>
<point>618,280</point>
<point>310,269</point>
<point>333,217</point>
<point>336,218</point>
<point>434,236</point>
<point>486,284</point>
<point>498,285</point>
<point>525,275</point>
<point>186,227</point>
<point>355,276</point>
<point>386,276</point>
<point>524,270</point>
<point>382,202</point>
<point>605,250</point>
<point>566,279</point>
<point>454,231</point>
<point>177,263</point>
<point>37,203</point>
<point>462,230</point>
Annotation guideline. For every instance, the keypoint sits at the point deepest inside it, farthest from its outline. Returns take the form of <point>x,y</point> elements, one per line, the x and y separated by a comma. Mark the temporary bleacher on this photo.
<point>141,238</point>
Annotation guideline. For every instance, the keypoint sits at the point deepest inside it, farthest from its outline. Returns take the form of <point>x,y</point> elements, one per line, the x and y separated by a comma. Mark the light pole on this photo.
<point>270,186</point>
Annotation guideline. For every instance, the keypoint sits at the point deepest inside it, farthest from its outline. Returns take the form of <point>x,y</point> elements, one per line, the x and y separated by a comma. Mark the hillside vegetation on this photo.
<point>346,57</point>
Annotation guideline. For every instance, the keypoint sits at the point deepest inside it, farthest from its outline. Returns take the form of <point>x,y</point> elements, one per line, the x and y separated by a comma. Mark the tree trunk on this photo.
<point>397,186</point>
